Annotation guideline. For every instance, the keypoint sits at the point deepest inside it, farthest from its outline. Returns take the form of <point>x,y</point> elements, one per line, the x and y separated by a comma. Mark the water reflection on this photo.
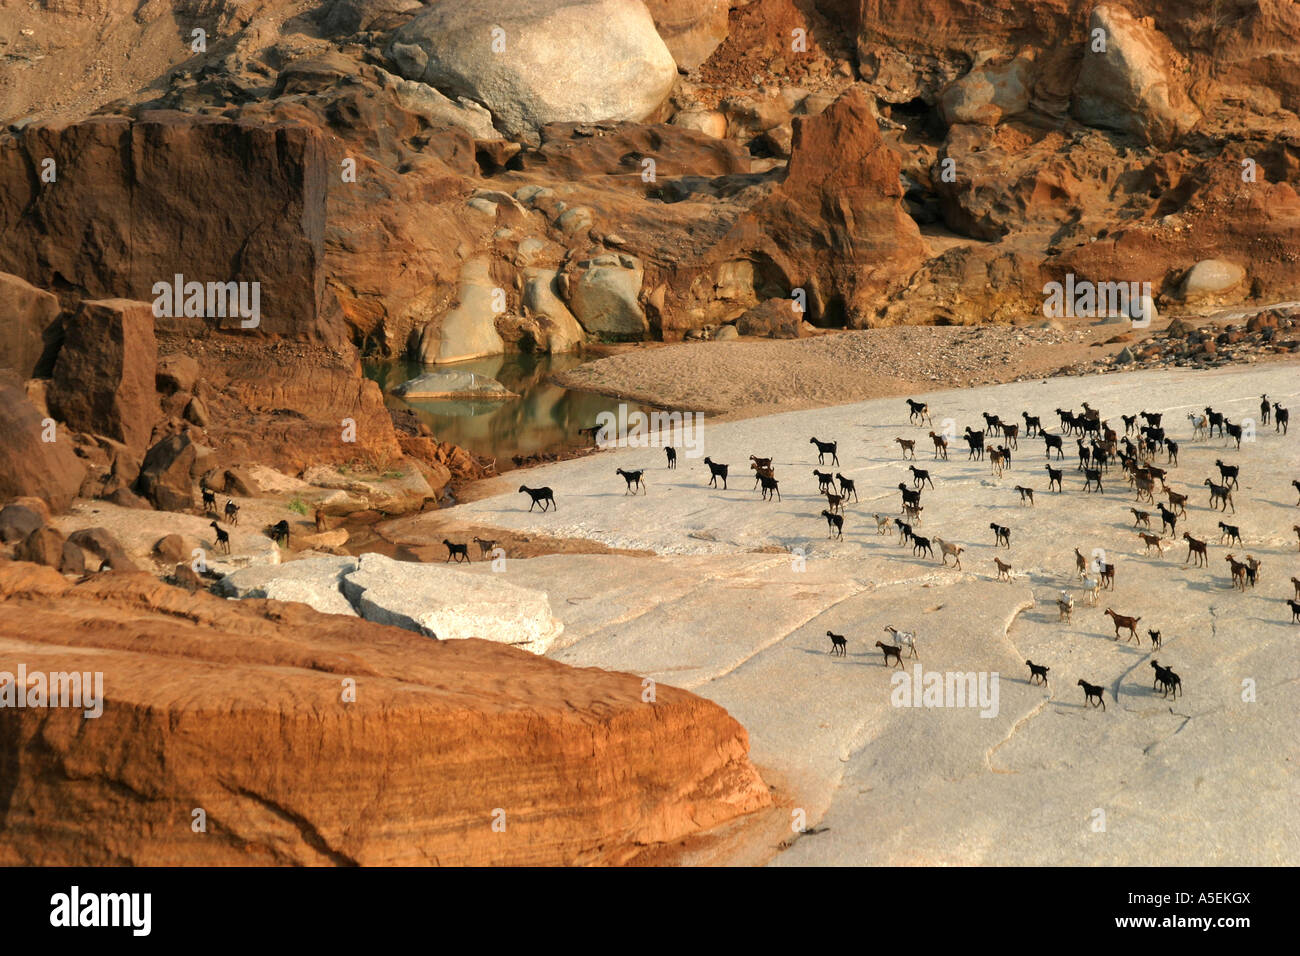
<point>544,418</point>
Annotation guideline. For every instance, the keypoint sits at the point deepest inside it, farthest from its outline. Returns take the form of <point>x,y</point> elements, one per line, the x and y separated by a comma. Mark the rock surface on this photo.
<point>30,465</point>
<point>448,604</point>
<point>452,383</point>
<point>29,333</point>
<point>210,703</point>
<point>1131,84</point>
<point>935,785</point>
<point>104,375</point>
<point>614,65</point>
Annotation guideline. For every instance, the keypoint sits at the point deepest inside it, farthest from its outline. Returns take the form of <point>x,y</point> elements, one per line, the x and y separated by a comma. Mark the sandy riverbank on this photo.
<point>742,378</point>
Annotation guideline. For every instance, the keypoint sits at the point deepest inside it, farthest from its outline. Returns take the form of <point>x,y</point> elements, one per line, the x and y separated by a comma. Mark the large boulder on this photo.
<point>988,94</point>
<point>44,546</point>
<point>533,62</point>
<point>29,331</point>
<point>691,31</point>
<point>349,16</point>
<point>29,465</point>
<point>468,330</point>
<point>165,475</point>
<point>453,383</point>
<point>1132,86</point>
<point>17,522</point>
<point>104,375</point>
<point>774,318</point>
<point>448,604</point>
<point>104,546</point>
<point>603,294</point>
<point>1210,278</point>
<point>541,301</point>
<point>315,582</point>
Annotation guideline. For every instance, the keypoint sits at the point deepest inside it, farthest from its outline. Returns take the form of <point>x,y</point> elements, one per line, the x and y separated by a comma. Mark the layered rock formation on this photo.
<point>466,153</point>
<point>265,733</point>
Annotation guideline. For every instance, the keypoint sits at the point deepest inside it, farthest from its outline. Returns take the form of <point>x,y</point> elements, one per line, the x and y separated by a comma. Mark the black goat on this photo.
<point>1032,425</point>
<point>633,479</point>
<point>1168,519</point>
<point>975,441</point>
<point>1231,532</point>
<point>1091,692</point>
<point>716,471</point>
<point>278,532</point>
<point>1001,535</point>
<point>1037,672</point>
<point>1281,419</point>
<point>910,497</point>
<point>232,512</point>
<point>834,525</point>
<point>847,487</point>
<point>1228,473</point>
<point>824,480</point>
<point>770,486</point>
<point>920,476</point>
<point>1167,679</point>
<point>1092,476</point>
<point>456,551</point>
<point>839,644</point>
<point>543,495</point>
<point>921,545</point>
<point>918,411</point>
<point>1053,442</point>
<point>825,448</point>
<point>671,452</point>
<point>1053,478</point>
<point>223,538</point>
<point>209,502</point>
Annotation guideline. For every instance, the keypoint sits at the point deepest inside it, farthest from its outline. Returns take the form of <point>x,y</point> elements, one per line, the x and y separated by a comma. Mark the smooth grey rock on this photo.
<point>468,330</point>
<point>604,296</point>
<point>453,383</point>
<point>533,62</point>
<point>1211,277</point>
<point>449,604</point>
<point>1130,87</point>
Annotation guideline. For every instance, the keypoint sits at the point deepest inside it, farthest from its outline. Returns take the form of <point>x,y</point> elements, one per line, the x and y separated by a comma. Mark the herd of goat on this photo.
<point>1105,455</point>
<point>1100,448</point>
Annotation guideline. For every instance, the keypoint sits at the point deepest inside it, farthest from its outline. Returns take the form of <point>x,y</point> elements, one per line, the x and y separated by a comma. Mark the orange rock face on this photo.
<point>455,753</point>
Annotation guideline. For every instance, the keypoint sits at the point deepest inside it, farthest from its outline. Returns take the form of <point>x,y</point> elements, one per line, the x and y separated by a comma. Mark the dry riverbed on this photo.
<point>1028,775</point>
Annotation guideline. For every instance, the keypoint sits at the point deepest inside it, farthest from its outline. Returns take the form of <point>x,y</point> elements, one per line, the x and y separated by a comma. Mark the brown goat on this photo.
<point>1124,623</point>
<point>1152,541</point>
<point>1194,547</point>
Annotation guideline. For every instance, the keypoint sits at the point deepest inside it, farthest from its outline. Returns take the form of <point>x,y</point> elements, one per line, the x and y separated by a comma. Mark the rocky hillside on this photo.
<point>458,179</point>
<point>255,732</point>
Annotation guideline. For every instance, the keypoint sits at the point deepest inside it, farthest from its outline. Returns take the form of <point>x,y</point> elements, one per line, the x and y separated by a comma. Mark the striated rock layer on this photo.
<point>236,709</point>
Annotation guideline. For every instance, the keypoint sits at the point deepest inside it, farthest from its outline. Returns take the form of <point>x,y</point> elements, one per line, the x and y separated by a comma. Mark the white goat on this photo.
<point>904,639</point>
